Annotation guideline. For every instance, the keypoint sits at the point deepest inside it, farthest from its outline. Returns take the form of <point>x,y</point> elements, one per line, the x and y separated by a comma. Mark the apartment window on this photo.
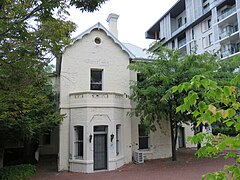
<point>185,20</point>
<point>96,79</point>
<point>226,9</point>
<point>78,142</point>
<point>209,23</point>
<point>193,34</point>
<point>173,44</point>
<point>208,40</point>
<point>206,6</point>
<point>118,139</point>
<point>179,22</point>
<point>143,138</point>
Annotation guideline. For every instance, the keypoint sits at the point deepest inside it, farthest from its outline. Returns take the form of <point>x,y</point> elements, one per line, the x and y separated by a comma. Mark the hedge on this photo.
<point>18,172</point>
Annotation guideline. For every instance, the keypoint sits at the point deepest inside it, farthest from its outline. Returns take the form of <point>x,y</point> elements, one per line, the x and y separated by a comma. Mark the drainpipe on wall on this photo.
<point>69,139</point>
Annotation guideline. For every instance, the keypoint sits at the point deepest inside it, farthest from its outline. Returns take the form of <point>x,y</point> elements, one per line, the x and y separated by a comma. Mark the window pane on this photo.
<point>96,79</point>
<point>99,128</point>
<point>143,138</point>
<point>143,142</point>
<point>117,139</point>
<point>141,131</point>
<point>78,143</point>
<point>79,130</point>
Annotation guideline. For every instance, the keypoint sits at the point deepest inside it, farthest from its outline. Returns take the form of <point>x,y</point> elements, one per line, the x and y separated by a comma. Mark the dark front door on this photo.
<point>100,151</point>
<point>181,138</point>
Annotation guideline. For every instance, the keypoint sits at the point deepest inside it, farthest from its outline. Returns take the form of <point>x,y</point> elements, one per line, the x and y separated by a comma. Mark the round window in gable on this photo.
<point>97,40</point>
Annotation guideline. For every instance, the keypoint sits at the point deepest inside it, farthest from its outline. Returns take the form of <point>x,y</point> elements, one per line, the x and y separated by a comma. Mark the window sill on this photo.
<point>80,161</point>
<point>145,150</point>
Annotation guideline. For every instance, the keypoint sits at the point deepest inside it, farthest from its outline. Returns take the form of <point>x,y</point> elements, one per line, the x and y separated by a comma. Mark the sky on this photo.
<point>135,18</point>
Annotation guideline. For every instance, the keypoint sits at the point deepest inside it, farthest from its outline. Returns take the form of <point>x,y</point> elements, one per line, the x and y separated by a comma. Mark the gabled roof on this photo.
<point>99,26</point>
<point>133,51</point>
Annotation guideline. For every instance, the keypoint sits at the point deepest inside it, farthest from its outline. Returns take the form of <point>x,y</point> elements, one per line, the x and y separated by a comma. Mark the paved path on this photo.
<point>186,168</point>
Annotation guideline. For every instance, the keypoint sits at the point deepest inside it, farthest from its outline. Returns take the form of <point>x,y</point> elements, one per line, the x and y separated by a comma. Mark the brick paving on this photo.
<point>187,167</point>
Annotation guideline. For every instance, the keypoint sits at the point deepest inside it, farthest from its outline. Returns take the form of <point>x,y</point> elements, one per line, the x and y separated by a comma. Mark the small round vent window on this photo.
<point>97,40</point>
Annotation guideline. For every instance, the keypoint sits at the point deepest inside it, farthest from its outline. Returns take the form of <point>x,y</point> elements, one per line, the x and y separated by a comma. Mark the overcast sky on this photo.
<point>135,18</point>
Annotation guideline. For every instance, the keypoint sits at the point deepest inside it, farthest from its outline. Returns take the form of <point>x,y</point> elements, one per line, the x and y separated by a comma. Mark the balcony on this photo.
<point>182,43</point>
<point>228,32</point>
<point>179,29</point>
<point>206,9</point>
<point>230,51</point>
<point>227,13</point>
<point>98,99</point>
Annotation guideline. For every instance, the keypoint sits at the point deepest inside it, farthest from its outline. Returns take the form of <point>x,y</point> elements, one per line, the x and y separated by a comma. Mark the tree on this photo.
<point>217,104</point>
<point>152,95</point>
<point>28,105</point>
<point>32,34</point>
<point>37,29</point>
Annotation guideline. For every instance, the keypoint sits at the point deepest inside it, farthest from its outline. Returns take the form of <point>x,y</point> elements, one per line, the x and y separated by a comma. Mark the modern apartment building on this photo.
<point>196,26</point>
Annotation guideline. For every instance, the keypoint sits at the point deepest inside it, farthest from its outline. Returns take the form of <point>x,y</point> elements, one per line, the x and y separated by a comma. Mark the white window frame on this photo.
<point>145,136</point>
<point>76,152</point>
<point>118,139</point>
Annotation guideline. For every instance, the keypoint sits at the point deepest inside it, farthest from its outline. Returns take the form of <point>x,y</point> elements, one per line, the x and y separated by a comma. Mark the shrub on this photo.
<point>19,172</point>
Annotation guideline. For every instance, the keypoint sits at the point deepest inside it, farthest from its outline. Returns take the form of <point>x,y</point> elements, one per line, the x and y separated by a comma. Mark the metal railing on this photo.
<point>179,29</point>
<point>182,43</point>
<point>227,13</point>
<point>227,33</point>
<point>229,52</point>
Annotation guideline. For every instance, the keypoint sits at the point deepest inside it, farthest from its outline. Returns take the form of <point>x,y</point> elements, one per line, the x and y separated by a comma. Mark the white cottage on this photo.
<point>97,133</point>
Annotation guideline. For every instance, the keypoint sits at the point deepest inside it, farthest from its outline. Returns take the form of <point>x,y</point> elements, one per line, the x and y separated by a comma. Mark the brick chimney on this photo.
<point>112,23</point>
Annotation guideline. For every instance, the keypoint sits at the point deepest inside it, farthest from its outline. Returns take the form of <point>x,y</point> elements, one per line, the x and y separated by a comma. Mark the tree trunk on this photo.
<point>1,156</point>
<point>173,141</point>
<point>174,154</point>
<point>2,148</point>
<point>30,148</point>
<point>196,131</point>
<point>200,130</point>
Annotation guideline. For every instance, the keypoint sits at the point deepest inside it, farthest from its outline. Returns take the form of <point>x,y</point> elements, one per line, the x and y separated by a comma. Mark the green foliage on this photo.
<point>87,5</point>
<point>218,104</point>
<point>32,34</point>
<point>27,101</point>
<point>169,68</point>
<point>37,29</point>
<point>20,172</point>
<point>215,176</point>
<point>155,95</point>
<point>224,129</point>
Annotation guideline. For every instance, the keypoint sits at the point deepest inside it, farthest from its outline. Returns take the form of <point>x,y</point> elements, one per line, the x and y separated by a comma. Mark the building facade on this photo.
<point>97,132</point>
<point>198,26</point>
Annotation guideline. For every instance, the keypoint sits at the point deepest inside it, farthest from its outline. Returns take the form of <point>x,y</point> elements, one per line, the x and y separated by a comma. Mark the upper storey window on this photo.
<point>96,79</point>
<point>180,23</point>
<point>207,24</point>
